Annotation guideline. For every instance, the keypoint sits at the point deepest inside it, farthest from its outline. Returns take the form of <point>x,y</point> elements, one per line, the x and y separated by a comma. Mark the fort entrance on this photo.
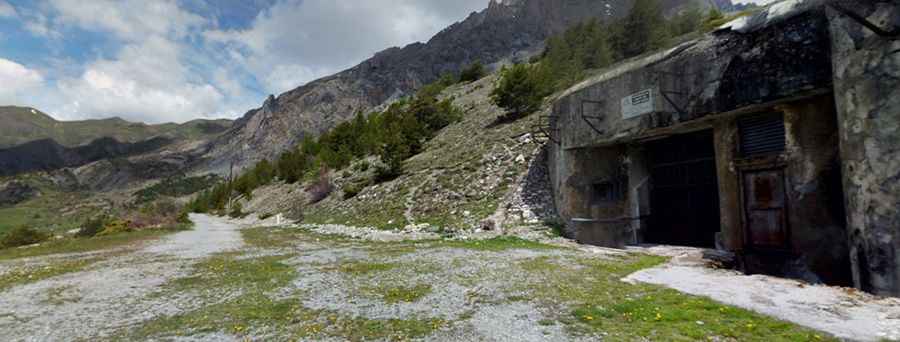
<point>684,198</point>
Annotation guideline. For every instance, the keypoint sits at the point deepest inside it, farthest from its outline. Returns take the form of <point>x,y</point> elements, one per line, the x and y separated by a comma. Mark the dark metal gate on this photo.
<point>685,194</point>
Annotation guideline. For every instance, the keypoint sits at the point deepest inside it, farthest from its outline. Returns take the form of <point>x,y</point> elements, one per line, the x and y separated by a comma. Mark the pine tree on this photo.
<point>645,28</point>
<point>689,20</point>
<point>473,72</point>
<point>519,91</point>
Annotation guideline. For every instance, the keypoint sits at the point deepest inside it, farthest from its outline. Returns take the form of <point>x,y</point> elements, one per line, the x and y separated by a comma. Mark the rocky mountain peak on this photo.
<point>507,30</point>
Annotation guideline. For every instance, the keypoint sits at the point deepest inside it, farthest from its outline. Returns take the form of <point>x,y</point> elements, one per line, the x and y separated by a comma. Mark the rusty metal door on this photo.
<point>765,210</point>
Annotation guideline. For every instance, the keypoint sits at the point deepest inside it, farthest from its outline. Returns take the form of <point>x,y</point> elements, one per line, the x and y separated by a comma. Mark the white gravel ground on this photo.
<point>475,289</point>
<point>112,294</point>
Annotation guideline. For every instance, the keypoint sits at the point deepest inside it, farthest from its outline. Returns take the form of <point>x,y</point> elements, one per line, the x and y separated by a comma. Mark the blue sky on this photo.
<point>176,60</point>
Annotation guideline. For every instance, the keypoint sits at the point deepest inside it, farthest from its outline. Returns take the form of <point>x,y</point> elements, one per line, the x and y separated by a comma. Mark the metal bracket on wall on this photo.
<point>893,33</point>
<point>670,88</point>
<point>587,118</point>
<point>546,127</point>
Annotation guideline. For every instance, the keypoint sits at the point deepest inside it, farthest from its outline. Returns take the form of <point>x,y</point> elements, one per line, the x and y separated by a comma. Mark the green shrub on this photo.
<point>22,236</point>
<point>353,189</point>
<point>117,226</point>
<point>519,90</point>
<point>184,217</point>
<point>394,135</point>
<point>291,166</point>
<point>473,72</point>
<point>643,29</point>
<point>386,174</point>
<point>688,20</point>
<point>237,211</point>
<point>92,227</point>
<point>362,166</point>
<point>176,187</point>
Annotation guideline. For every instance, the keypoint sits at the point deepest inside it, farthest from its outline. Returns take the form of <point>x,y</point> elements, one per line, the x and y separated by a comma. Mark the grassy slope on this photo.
<point>468,167</point>
<point>53,211</point>
<point>20,125</point>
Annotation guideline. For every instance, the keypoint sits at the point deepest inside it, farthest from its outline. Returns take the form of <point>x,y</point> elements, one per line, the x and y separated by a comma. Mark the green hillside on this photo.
<point>23,124</point>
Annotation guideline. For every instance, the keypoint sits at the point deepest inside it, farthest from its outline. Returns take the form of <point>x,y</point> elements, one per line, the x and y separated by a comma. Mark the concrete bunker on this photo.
<point>739,141</point>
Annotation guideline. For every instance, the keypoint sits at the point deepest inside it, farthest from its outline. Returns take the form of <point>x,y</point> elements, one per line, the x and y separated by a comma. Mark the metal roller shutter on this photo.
<point>762,135</point>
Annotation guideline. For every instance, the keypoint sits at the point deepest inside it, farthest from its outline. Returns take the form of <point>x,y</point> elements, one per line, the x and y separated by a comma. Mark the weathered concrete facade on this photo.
<point>745,140</point>
<point>867,93</point>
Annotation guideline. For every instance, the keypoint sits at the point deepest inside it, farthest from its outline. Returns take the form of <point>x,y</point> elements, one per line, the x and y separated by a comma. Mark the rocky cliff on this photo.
<point>507,30</point>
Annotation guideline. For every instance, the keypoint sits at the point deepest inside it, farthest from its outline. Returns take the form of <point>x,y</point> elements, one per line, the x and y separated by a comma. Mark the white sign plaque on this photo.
<point>638,104</point>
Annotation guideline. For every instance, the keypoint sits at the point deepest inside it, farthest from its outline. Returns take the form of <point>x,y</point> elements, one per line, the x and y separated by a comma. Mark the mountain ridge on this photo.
<point>25,124</point>
<point>504,31</point>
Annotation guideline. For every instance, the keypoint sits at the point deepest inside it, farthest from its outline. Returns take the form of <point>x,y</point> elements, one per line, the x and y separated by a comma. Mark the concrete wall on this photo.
<point>576,175</point>
<point>781,63</point>
<point>818,249</point>
<point>726,138</point>
<point>867,88</point>
<point>719,73</point>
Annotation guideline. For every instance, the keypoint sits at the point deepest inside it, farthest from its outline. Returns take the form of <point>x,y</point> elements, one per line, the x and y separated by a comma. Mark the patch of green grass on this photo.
<point>265,237</point>
<point>601,302</point>
<point>35,273</point>
<point>363,329</point>
<point>48,212</point>
<point>55,296</point>
<point>73,245</point>
<point>363,268</point>
<point>227,272</point>
<point>277,237</point>
<point>255,310</point>
<point>398,294</point>
<point>393,249</point>
<point>252,278</point>
<point>497,244</point>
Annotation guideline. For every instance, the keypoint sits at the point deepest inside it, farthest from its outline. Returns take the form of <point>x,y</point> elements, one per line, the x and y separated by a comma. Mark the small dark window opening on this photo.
<point>608,191</point>
<point>762,135</point>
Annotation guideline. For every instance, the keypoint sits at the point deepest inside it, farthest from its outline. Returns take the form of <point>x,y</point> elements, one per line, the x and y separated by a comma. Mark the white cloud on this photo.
<point>150,78</point>
<point>6,10</point>
<point>19,82</point>
<point>128,19</point>
<point>296,41</point>
<point>173,65</point>
<point>145,82</point>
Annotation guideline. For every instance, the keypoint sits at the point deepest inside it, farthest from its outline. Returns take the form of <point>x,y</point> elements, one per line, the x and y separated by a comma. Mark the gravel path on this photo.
<point>481,294</point>
<point>113,293</point>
